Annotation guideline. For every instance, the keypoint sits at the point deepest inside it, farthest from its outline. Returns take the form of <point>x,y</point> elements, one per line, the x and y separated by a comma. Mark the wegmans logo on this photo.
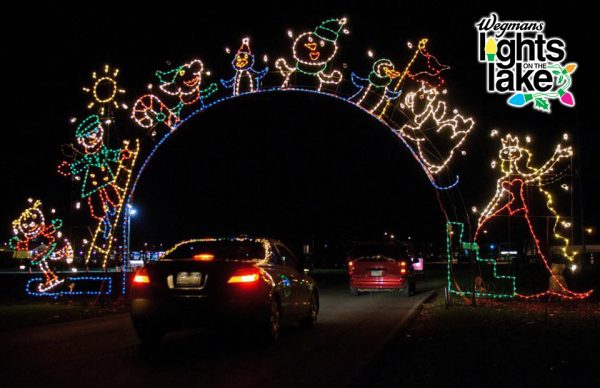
<point>523,62</point>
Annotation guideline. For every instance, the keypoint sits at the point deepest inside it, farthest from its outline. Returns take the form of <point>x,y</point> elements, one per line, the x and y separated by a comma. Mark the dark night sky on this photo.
<point>284,164</point>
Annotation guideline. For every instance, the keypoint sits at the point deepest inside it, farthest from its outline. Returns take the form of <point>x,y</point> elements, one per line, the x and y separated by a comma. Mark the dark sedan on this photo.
<point>222,281</point>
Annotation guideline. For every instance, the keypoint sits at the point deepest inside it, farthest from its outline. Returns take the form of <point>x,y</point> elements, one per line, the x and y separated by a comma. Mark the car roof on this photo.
<point>240,238</point>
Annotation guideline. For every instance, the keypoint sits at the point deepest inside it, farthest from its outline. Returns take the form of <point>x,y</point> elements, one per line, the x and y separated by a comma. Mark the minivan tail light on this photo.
<point>403,268</point>
<point>141,277</point>
<point>245,276</point>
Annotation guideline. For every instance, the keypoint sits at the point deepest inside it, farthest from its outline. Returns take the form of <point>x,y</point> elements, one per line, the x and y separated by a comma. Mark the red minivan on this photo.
<point>380,267</point>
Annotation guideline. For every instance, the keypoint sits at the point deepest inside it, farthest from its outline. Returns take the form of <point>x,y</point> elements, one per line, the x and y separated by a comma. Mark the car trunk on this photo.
<point>192,277</point>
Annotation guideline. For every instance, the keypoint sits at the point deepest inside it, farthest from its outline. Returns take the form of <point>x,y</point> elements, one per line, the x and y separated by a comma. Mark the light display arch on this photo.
<point>408,99</point>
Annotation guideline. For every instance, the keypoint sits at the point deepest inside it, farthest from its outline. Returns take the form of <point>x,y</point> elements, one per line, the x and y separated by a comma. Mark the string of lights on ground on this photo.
<point>407,98</point>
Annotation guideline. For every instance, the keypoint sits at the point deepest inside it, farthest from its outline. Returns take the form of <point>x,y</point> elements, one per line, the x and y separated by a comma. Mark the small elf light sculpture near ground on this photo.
<point>96,169</point>
<point>184,83</point>
<point>511,197</point>
<point>246,79</point>
<point>424,110</point>
<point>44,241</point>
<point>313,52</point>
<point>376,90</point>
<point>104,91</point>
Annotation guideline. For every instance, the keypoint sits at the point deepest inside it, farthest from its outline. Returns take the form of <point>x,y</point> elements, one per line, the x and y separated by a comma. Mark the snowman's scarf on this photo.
<point>312,70</point>
<point>378,81</point>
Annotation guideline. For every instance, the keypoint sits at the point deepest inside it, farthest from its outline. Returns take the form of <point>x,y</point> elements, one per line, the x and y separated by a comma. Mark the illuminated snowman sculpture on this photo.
<point>42,241</point>
<point>313,52</point>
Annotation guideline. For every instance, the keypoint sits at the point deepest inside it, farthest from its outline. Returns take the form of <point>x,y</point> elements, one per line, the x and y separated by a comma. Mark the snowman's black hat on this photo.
<point>330,29</point>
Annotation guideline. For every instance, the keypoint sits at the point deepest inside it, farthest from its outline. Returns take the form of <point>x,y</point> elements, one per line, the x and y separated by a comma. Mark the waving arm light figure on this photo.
<point>517,175</point>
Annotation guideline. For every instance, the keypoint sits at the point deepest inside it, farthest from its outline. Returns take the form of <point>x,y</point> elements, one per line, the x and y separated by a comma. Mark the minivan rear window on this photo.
<point>216,250</point>
<point>379,251</point>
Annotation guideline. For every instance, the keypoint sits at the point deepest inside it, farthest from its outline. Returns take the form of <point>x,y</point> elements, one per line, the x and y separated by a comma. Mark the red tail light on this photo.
<point>350,267</point>
<point>141,277</point>
<point>204,257</point>
<point>245,276</point>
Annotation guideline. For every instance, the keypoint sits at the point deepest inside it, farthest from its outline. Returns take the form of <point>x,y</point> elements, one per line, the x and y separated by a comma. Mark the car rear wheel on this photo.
<point>273,329</point>
<point>410,288</point>
<point>354,291</point>
<point>310,321</point>
<point>149,335</point>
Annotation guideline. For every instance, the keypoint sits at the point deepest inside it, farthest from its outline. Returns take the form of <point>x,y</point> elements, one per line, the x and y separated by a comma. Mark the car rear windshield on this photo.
<point>217,250</point>
<point>377,251</point>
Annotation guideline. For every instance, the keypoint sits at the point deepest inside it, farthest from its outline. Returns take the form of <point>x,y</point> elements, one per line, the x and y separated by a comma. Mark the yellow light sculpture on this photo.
<point>511,199</point>
<point>104,90</point>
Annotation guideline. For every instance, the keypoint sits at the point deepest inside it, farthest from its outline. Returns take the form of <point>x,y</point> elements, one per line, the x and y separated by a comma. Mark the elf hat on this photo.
<point>88,125</point>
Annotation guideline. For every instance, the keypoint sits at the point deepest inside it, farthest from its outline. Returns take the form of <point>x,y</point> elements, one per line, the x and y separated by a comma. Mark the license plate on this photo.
<point>377,273</point>
<point>188,279</point>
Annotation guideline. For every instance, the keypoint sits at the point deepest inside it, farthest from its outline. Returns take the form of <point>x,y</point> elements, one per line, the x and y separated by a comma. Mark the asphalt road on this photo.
<point>105,352</point>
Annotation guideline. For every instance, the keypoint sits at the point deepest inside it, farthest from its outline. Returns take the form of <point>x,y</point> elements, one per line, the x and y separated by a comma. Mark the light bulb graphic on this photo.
<point>566,97</point>
<point>491,49</point>
<point>570,67</point>
<point>519,99</point>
